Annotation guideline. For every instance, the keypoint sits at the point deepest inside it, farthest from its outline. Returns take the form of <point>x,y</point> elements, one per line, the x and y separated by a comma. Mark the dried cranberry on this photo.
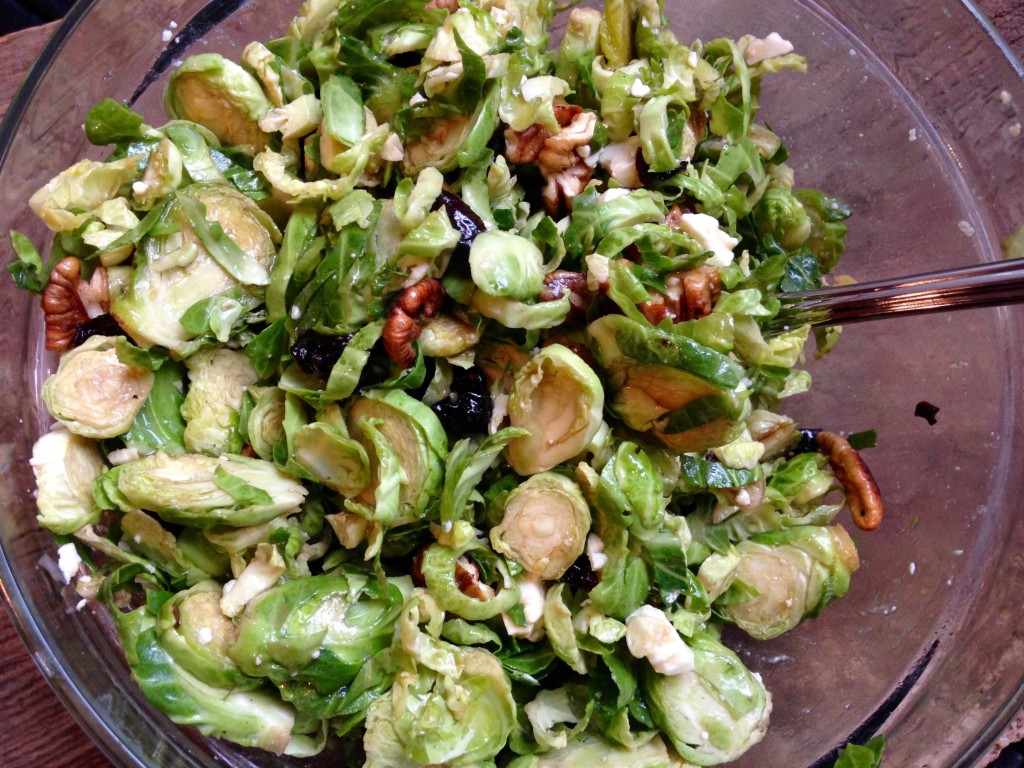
<point>316,353</point>
<point>101,325</point>
<point>581,575</point>
<point>467,408</point>
<point>465,221</point>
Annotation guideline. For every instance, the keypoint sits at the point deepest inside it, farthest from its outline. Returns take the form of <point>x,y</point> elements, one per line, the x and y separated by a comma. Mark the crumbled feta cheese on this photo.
<point>650,635</point>
<point>173,25</point>
<point>140,187</point>
<point>1014,130</point>
<point>913,134</point>
<point>531,595</point>
<point>913,568</point>
<point>619,160</point>
<point>68,561</point>
<point>166,35</point>
<point>205,635</point>
<point>499,410</point>
<point>638,89</point>
<point>611,194</point>
<point>742,498</point>
<point>296,313</point>
<point>692,59</point>
<point>966,228</point>
<point>417,98</point>
<point>137,538</point>
<point>123,456</point>
<point>1005,97</point>
<point>769,47</point>
<point>595,552</point>
<point>392,151</point>
<point>598,271</point>
<point>81,604</point>
<point>705,230</point>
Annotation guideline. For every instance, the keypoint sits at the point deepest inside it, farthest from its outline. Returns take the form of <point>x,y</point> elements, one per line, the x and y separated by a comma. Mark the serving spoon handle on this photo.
<point>983,285</point>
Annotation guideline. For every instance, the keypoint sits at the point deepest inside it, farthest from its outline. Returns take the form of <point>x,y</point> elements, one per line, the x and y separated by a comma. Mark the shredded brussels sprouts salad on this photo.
<point>412,398</point>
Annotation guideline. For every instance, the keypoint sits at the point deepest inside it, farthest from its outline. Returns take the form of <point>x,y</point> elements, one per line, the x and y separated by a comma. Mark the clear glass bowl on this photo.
<point>909,115</point>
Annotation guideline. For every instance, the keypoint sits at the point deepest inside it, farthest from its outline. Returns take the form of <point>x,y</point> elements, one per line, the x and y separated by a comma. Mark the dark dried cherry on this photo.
<point>467,408</point>
<point>466,223</point>
<point>101,325</point>
<point>316,353</point>
<point>581,575</point>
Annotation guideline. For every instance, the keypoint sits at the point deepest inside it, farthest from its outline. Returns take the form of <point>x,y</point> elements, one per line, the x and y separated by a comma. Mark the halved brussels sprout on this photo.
<point>331,457</point>
<point>560,400</point>
<point>595,751</point>
<point>93,393</point>
<point>448,705</point>
<point>65,466</point>
<point>681,392</point>
<point>221,240</point>
<point>505,264</point>
<point>714,713</point>
<point>265,425</point>
<point>250,718</point>
<point>218,380</point>
<point>221,96</point>
<point>203,491</point>
<point>68,199</point>
<point>321,628</point>
<point>793,573</point>
<point>198,636</point>
<point>545,525</point>
<point>417,438</point>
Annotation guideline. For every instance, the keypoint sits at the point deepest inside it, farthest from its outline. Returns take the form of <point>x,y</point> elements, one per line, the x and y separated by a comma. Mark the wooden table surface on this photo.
<point>35,729</point>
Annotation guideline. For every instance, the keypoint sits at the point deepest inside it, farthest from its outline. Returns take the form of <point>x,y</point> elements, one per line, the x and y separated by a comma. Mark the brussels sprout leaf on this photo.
<point>867,756</point>
<point>110,123</point>
<point>28,271</point>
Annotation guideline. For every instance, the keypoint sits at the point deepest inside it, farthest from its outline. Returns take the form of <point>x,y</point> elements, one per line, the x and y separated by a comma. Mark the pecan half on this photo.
<point>415,303</point>
<point>563,186</point>
<point>524,146</point>
<point>467,579</point>
<point>862,494</point>
<point>562,149</point>
<point>701,288</point>
<point>63,309</point>
<point>562,282</point>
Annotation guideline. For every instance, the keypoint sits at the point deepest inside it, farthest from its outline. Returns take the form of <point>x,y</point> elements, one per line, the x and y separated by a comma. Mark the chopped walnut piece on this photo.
<point>419,301</point>
<point>63,309</point>
<point>449,5</point>
<point>701,288</point>
<point>563,186</point>
<point>524,146</point>
<point>862,494</point>
<point>560,150</point>
<point>467,579</point>
<point>561,282</point>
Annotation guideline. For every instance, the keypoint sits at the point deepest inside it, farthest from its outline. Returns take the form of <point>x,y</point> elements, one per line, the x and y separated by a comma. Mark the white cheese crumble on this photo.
<point>68,561</point>
<point>650,635</point>
<point>913,568</point>
<point>912,136</point>
<point>638,89</point>
<point>531,594</point>
<point>295,313</point>
<point>140,187</point>
<point>966,228</point>
<point>166,35</point>
<point>205,635</point>
<point>692,59</point>
<point>417,98</point>
<point>769,47</point>
<point>595,552</point>
<point>705,230</point>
